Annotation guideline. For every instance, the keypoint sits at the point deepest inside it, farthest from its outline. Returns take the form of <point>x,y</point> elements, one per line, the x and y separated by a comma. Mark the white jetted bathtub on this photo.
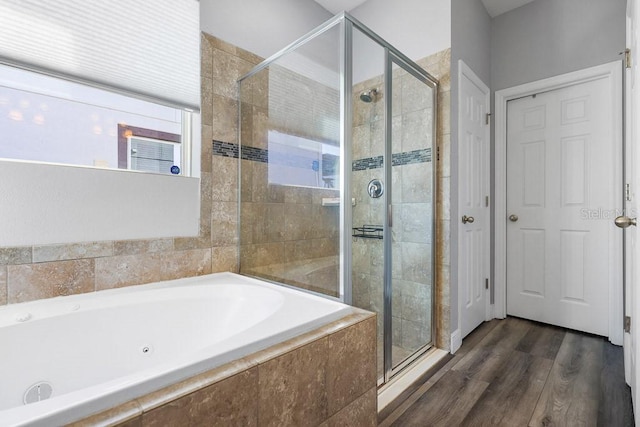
<point>65,358</point>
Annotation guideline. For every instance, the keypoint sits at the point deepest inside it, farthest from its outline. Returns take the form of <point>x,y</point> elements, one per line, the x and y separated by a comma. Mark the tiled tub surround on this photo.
<point>329,375</point>
<point>211,321</point>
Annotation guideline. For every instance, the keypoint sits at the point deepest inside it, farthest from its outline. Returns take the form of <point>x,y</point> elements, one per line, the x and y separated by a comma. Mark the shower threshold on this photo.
<point>403,381</point>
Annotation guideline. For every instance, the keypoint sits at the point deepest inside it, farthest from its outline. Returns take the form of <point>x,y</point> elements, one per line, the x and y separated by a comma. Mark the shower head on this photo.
<point>369,95</point>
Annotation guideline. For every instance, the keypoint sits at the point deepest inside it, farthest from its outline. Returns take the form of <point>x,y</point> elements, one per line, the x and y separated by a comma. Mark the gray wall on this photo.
<point>550,37</point>
<point>261,27</point>
<point>418,28</point>
<point>471,42</point>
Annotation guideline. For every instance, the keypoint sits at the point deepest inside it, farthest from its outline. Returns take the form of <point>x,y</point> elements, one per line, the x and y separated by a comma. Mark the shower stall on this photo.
<point>337,180</point>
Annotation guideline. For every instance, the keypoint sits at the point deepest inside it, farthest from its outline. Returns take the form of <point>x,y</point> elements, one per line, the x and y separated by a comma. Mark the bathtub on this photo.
<point>77,355</point>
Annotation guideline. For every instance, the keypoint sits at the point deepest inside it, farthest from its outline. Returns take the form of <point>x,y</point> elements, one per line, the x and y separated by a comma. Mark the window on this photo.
<point>51,120</point>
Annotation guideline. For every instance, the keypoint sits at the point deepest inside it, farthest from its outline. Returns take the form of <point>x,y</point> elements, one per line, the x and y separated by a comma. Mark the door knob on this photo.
<point>624,221</point>
<point>513,218</point>
<point>467,219</point>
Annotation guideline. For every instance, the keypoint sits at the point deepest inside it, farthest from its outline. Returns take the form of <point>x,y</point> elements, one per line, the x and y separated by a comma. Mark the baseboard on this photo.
<point>456,341</point>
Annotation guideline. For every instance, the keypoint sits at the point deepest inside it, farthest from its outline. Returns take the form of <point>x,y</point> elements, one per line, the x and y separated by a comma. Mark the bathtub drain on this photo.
<point>37,392</point>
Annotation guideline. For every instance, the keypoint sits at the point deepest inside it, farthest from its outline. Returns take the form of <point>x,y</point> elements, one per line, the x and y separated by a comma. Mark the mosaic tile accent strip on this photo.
<point>227,149</point>
<point>255,154</point>
<point>367,163</point>
<point>409,157</point>
<point>398,159</point>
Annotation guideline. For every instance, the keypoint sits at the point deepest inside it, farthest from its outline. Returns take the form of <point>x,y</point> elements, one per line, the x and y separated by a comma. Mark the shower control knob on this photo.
<point>375,188</point>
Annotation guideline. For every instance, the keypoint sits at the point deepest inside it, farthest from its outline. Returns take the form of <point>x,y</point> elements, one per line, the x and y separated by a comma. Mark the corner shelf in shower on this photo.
<point>368,231</point>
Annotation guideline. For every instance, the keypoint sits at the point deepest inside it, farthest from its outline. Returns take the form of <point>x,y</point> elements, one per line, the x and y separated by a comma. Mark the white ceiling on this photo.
<point>336,6</point>
<point>498,7</point>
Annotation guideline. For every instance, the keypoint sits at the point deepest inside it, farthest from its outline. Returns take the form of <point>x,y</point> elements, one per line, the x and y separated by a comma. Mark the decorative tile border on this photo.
<point>398,159</point>
<point>227,149</point>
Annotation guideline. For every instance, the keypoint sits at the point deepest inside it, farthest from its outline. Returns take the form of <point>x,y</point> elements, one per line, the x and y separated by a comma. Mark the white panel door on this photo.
<point>473,192</point>
<point>632,301</point>
<point>562,196</point>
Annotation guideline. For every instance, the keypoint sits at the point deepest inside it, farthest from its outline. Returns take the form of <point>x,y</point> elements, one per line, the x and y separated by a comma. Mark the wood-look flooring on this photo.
<point>515,372</point>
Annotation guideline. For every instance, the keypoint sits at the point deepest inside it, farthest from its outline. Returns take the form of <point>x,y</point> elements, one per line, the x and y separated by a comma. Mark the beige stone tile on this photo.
<point>220,44</point>
<point>415,94</point>
<point>415,334</point>
<point>417,182</point>
<point>224,119</point>
<point>443,242</point>
<point>292,387</point>
<point>224,223</point>
<point>3,285</point>
<point>189,243</point>
<point>294,194</point>
<point>260,88</point>
<point>262,254</point>
<point>417,262</point>
<point>192,384</point>
<point>263,222</point>
<point>311,248</point>
<point>224,182</point>
<point>206,56</point>
<point>246,179</point>
<point>16,255</point>
<point>444,198</point>
<point>231,402</point>
<point>72,251</point>
<point>299,221</point>
<point>351,369</point>
<point>445,79</point>
<point>362,412</point>
<point>224,258</point>
<point>248,56</point>
<point>206,152</point>
<point>445,155</point>
<point>127,270</point>
<point>206,100</point>
<point>224,73</point>
<point>417,127</point>
<point>444,113</point>
<point>128,414</point>
<point>135,247</point>
<point>361,141</point>
<point>51,279</point>
<point>260,128</point>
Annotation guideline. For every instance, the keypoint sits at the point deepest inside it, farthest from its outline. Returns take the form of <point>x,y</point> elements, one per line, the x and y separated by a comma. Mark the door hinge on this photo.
<point>486,201</point>
<point>627,57</point>
<point>627,324</point>
<point>438,153</point>
<point>486,283</point>
<point>627,192</point>
<point>487,118</point>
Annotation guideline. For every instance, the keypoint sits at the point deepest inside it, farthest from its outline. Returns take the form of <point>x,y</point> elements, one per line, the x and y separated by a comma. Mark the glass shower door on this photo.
<point>411,221</point>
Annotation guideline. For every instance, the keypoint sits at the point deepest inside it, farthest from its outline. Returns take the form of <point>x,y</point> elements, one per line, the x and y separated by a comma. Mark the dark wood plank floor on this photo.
<point>515,372</point>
